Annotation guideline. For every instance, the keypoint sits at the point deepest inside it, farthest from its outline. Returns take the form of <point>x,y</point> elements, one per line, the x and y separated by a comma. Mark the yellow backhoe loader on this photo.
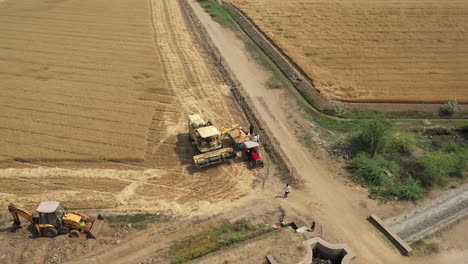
<point>208,141</point>
<point>53,220</point>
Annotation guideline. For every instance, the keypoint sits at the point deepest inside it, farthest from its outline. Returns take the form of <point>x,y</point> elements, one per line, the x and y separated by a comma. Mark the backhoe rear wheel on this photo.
<point>74,233</point>
<point>49,232</point>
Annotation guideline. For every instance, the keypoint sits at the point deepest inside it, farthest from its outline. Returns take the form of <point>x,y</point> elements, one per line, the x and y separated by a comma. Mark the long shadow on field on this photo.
<point>185,152</point>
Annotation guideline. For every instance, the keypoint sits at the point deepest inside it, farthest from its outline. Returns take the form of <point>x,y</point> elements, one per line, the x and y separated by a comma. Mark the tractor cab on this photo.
<point>49,223</point>
<point>250,150</point>
<point>50,213</point>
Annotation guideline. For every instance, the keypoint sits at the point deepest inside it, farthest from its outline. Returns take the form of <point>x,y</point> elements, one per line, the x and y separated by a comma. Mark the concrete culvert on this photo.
<point>320,251</point>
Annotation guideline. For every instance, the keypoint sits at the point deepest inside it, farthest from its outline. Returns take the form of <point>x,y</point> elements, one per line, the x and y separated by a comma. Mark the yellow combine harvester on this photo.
<point>54,220</point>
<point>208,141</point>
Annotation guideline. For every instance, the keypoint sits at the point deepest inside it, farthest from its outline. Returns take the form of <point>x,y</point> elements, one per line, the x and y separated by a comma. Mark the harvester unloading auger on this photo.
<point>208,141</point>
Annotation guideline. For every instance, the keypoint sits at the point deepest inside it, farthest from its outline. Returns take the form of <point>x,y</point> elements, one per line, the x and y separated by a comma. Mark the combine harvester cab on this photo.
<point>207,139</point>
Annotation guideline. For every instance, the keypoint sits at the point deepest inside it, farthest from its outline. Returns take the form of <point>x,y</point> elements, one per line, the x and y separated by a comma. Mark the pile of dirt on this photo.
<point>60,251</point>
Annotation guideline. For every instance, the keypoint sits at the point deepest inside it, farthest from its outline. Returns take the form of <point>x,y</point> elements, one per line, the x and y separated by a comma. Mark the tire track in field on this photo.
<point>193,81</point>
<point>76,127</point>
<point>72,115</point>
<point>195,90</point>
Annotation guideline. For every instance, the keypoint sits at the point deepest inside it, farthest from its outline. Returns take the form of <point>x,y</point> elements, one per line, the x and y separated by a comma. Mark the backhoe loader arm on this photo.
<point>16,212</point>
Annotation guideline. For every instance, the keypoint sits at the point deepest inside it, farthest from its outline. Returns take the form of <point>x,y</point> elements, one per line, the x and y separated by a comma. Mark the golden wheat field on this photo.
<point>373,50</point>
<point>76,79</point>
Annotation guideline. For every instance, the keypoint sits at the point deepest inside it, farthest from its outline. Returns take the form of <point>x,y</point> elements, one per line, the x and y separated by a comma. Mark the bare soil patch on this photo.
<point>372,51</point>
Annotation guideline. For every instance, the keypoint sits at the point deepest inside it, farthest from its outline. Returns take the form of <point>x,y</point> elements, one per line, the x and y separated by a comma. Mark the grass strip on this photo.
<point>218,13</point>
<point>223,17</point>
<point>215,239</point>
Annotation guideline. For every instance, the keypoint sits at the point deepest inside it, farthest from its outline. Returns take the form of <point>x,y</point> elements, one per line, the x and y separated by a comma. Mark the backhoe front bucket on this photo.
<point>214,157</point>
<point>96,227</point>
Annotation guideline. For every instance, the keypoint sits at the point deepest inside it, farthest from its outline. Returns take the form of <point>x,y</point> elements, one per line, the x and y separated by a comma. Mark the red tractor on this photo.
<point>250,151</point>
<point>248,145</point>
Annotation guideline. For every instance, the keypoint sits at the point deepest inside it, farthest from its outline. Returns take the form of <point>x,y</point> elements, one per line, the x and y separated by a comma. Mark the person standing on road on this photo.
<point>287,190</point>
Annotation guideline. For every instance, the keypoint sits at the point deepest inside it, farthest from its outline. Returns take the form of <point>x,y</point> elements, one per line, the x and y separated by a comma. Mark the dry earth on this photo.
<point>373,50</point>
<point>451,244</point>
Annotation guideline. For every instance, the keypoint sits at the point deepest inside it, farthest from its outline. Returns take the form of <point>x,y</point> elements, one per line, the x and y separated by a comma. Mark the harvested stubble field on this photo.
<point>78,80</point>
<point>373,50</point>
<point>100,80</point>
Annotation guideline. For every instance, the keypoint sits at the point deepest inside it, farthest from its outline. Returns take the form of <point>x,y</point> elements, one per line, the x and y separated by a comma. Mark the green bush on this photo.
<point>451,108</point>
<point>402,143</point>
<point>409,189</point>
<point>213,240</point>
<point>462,162</point>
<point>371,171</point>
<point>460,151</point>
<point>336,107</point>
<point>450,147</point>
<point>371,137</point>
<point>438,166</point>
